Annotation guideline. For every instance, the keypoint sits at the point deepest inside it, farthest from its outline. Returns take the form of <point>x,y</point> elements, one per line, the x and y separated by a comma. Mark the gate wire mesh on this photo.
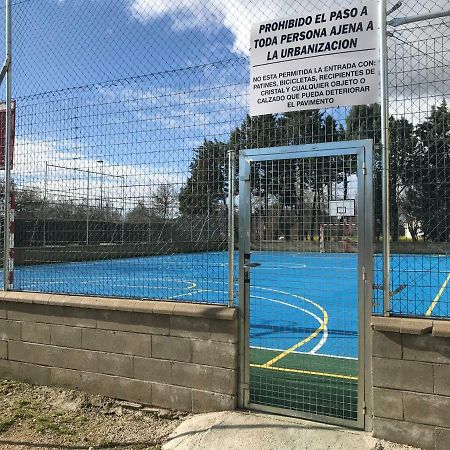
<point>151,95</point>
<point>304,296</point>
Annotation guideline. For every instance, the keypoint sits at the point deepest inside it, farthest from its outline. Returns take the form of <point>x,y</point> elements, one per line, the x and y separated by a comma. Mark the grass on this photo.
<point>5,424</point>
<point>48,423</point>
<point>70,418</point>
<point>40,421</point>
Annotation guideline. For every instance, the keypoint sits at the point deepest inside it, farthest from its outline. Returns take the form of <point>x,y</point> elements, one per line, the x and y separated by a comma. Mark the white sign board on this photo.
<point>319,60</point>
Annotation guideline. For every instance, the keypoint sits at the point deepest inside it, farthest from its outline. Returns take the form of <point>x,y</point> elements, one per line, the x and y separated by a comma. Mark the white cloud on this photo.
<point>236,15</point>
<point>239,15</point>
<point>62,171</point>
<point>205,112</point>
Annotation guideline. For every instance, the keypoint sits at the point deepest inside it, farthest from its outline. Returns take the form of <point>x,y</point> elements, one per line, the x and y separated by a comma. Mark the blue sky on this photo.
<point>66,43</point>
<point>168,99</point>
<point>183,71</point>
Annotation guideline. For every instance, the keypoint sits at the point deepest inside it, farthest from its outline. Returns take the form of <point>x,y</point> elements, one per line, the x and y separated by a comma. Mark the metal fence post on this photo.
<point>231,174</point>
<point>385,158</point>
<point>44,241</point>
<point>7,282</point>
<point>87,209</point>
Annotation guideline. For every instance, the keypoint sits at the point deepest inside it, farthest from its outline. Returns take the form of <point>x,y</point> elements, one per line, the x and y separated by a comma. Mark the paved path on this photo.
<point>242,430</point>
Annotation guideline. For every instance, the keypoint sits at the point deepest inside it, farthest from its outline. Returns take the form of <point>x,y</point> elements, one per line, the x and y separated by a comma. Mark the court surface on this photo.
<point>203,277</point>
<point>303,319</point>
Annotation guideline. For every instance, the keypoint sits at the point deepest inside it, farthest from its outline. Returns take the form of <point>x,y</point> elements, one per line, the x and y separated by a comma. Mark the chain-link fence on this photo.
<point>125,113</point>
<point>419,85</point>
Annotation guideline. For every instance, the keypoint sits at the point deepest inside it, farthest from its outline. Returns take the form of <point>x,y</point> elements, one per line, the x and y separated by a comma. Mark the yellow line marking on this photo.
<point>438,296</point>
<point>306,372</point>
<point>268,364</point>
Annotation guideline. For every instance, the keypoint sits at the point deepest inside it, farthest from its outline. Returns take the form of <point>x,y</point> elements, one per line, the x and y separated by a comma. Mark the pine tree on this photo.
<point>364,122</point>
<point>204,192</point>
<point>430,174</point>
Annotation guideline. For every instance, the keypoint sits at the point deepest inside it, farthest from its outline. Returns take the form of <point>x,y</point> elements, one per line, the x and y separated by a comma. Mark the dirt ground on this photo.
<point>40,417</point>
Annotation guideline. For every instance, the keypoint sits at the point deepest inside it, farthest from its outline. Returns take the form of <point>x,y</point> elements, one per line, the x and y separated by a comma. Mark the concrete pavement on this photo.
<point>244,430</point>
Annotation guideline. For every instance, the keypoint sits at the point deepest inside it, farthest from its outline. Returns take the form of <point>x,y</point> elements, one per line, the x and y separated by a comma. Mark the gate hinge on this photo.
<point>245,392</point>
<point>364,168</point>
<point>364,274</point>
<point>364,408</point>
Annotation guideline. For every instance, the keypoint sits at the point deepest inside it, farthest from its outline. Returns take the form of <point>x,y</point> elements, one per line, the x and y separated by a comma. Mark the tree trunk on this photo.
<point>394,209</point>
<point>345,185</point>
<point>301,232</point>
<point>313,216</point>
<point>266,215</point>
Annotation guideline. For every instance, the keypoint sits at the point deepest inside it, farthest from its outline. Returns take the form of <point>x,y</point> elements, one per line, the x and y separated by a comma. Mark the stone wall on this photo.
<point>411,379</point>
<point>166,354</point>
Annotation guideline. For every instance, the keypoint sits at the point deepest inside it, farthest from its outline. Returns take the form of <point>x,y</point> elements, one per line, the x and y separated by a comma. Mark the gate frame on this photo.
<point>363,150</point>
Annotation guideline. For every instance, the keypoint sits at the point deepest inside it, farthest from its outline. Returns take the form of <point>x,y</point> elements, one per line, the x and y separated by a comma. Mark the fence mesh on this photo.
<point>126,111</point>
<point>313,375</point>
<point>419,82</point>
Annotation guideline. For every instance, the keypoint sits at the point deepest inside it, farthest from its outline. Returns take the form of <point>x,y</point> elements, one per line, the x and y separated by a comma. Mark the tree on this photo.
<point>258,132</point>
<point>430,175</point>
<point>402,155</point>
<point>409,205</point>
<point>364,122</point>
<point>204,192</point>
<point>29,203</point>
<point>141,213</point>
<point>164,201</point>
<point>306,176</point>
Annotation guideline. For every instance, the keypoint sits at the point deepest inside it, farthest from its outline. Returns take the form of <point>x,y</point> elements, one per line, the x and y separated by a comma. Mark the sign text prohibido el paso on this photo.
<point>318,60</point>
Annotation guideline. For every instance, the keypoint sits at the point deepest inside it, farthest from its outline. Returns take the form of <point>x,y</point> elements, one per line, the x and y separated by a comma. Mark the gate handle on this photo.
<point>251,265</point>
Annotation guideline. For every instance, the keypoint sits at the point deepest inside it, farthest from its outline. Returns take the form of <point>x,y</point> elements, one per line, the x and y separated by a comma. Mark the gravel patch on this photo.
<point>42,417</point>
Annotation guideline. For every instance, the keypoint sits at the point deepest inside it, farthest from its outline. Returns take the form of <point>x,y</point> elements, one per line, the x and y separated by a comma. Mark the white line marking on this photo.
<point>322,341</point>
<point>304,353</point>
<point>188,293</point>
<point>320,308</point>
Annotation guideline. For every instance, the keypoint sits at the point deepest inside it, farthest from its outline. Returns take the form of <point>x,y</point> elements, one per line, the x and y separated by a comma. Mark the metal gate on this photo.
<point>305,269</point>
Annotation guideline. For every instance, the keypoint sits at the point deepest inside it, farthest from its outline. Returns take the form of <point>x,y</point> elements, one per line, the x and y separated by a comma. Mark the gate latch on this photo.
<point>251,265</point>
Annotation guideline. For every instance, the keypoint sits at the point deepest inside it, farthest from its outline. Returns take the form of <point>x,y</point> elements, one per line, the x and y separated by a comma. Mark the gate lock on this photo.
<point>251,265</point>
<point>248,265</point>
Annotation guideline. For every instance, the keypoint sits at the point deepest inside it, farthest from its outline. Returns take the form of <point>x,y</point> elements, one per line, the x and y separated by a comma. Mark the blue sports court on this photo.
<point>295,297</point>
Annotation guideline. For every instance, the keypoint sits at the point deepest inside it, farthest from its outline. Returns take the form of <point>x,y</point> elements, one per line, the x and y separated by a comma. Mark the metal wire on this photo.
<point>419,81</point>
<point>307,252</point>
<point>126,111</point>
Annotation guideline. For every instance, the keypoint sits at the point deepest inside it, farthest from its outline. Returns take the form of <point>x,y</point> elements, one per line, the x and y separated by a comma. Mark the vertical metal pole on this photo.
<point>44,240</point>
<point>101,191</point>
<point>231,173</point>
<point>101,185</point>
<point>123,208</point>
<point>385,159</point>
<point>87,210</point>
<point>148,214</point>
<point>244,281</point>
<point>7,192</point>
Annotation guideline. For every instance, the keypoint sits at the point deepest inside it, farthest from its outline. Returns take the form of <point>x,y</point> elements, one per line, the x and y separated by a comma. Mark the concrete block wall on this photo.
<point>411,381</point>
<point>172,355</point>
